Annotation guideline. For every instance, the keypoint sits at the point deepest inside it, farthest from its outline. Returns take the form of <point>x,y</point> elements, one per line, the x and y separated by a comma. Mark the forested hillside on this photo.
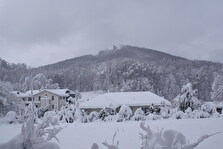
<point>129,68</point>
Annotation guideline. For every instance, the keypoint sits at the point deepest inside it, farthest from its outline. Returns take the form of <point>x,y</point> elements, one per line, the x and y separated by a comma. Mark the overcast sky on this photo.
<point>39,32</point>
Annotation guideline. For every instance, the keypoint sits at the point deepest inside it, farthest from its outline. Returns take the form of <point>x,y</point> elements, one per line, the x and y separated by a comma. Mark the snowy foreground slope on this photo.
<point>81,136</point>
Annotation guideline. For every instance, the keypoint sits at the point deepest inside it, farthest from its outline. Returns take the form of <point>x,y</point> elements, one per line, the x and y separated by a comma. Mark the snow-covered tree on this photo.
<point>26,112</point>
<point>8,101</point>
<point>71,112</point>
<point>77,95</point>
<point>40,82</point>
<point>217,88</point>
<point>67,112</point>
<point>187,98</point>
<point>170,87</point>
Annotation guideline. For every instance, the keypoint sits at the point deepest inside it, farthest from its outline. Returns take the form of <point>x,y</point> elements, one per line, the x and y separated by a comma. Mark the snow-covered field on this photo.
<point>81,136</point>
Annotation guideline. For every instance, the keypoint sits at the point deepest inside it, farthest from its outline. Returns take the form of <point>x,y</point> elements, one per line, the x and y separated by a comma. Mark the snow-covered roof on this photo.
<point>59,92</point>
<point>120,98</point>
<point>19,94</point>
<point>219,104</point>
<point>86,96</point>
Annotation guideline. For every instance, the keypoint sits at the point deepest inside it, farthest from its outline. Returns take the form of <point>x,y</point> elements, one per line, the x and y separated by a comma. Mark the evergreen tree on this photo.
<point>187,98</point>
<point>217,88</point>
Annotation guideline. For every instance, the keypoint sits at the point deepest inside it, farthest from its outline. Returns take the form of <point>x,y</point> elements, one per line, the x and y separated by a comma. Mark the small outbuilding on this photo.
<point>219,107</point>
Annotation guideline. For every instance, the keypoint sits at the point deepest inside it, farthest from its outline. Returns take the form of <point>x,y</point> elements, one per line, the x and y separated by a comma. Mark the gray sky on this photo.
<point>39,32</point>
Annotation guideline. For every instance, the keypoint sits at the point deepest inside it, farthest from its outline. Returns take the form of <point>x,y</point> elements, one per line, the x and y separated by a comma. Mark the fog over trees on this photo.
<point>125,68</point>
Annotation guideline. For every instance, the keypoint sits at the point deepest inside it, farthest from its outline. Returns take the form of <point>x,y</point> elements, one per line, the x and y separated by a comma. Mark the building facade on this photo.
<point>54,99</point>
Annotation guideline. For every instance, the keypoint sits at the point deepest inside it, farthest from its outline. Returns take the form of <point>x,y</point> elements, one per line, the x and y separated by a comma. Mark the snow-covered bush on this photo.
<point>153,117</point>
<point>21,116</point>
<point>124,113</point>
<point>50,114</point>
<point>138,115</point>
<point>209,107</point>
<point>152,109</point>
<point>189,112</point>
<point>93,116</point>
<point>80,116</point>
<point>165,112</point>
<point>111,118</point>
<point>187,98</point>
<point>200,114</point>
<point>179,115</point>
<point>11,117</point>
<point>216,114</point>
<point>106,112</point>
<point>94,146</point>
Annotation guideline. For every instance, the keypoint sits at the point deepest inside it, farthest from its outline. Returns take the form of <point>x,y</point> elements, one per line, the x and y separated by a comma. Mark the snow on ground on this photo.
<point>82,136</point>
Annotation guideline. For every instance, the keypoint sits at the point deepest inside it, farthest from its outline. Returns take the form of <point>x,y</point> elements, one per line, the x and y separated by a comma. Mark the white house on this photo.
<point>134,100</point>
<point>53,98</point>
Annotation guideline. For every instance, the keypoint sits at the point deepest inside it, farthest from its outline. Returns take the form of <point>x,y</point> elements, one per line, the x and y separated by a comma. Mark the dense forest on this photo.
<point>126,68</point>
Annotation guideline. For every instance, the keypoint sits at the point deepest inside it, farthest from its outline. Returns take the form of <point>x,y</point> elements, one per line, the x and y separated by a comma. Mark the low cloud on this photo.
<point>56,30</point>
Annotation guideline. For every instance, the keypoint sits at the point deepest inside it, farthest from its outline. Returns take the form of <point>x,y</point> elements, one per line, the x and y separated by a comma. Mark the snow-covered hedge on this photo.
<point>124,113</point>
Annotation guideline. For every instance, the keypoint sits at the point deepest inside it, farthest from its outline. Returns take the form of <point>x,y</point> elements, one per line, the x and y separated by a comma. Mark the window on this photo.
<point>37,106</point>
<point>64,97</point>
<point>39,98</point>
<point>29,99</point>
<point>45,94</point>
<point>23,99</point>
<point>52,97</point>
<point>60,97</point>
<point>52,106</point>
